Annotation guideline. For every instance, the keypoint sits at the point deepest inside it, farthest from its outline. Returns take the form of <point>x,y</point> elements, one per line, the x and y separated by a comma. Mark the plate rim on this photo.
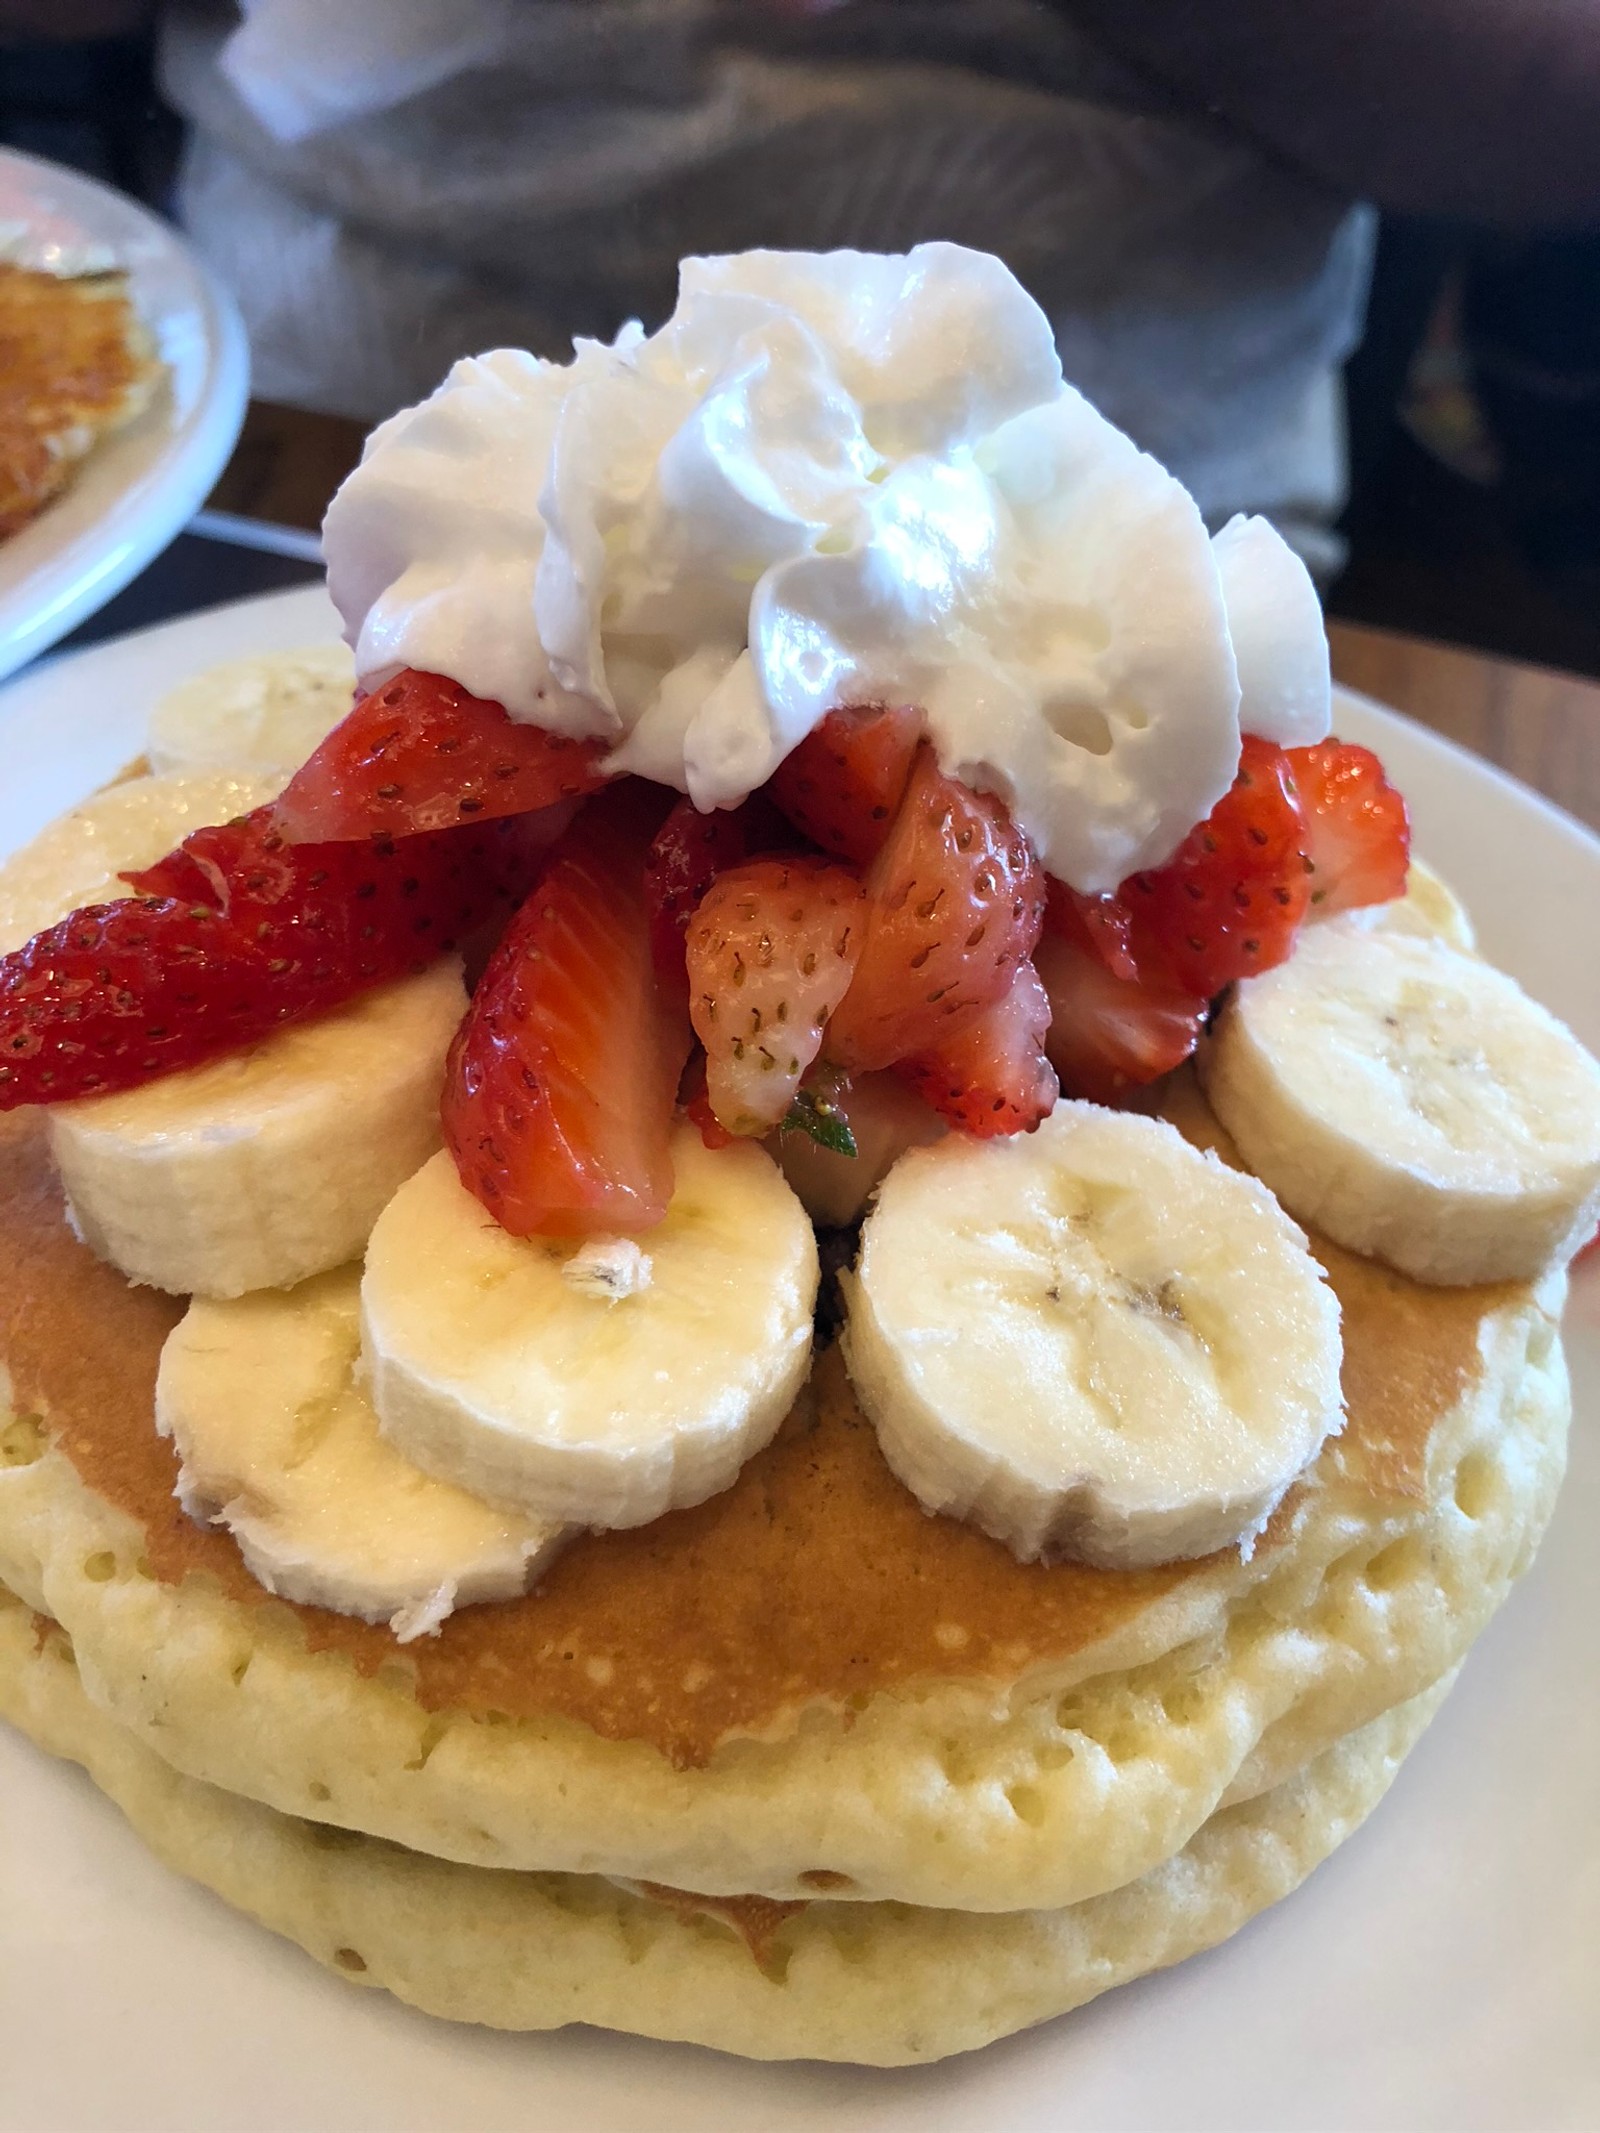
<point>78,574</point>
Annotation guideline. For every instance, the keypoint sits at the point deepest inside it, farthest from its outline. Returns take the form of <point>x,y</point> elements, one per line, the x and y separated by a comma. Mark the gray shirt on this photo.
<point>1203,294</point>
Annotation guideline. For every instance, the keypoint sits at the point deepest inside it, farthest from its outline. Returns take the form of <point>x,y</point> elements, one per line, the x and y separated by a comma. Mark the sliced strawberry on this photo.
<point>1231,898</point>
<point>955,903</point>
<point>1357,833</point>
<point>990,1075</point>
<point>696,1106</point>
<point>1110,1034</point>
<point>843,783</point>
<point>253,875</point>
<point>562,1080</point>
<point>421,754</point>
<point>1101,926</point>
<point>771,951</point>
<point>120,993</point>
<point>689,852</point>
<point>257,934</point>
<point>349,910</point>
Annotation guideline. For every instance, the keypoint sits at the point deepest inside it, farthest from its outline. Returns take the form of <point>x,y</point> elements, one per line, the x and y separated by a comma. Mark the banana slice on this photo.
<point>257,1170</point>
<point>269,712</point>
<point>599,1404</point>
<point>77,858</point>
<point>1092,1340</point>
<point>1430,908</point>
<point>1413,1104</point>
<point>279,1444</point>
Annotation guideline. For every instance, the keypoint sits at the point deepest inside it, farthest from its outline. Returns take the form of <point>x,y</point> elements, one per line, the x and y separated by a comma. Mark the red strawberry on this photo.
<point>1111,1034</point>
<point>325,903</point>
<point>257,934</point>
<point>697,1107</point>
<point>689,852</point>
<point>955,903</point>
<point>561,1083</point>
<point>771,951</point>
<point>1230,899</point>
<point>421,754</point>
<point>1357,834</point>
<point>1101,926</point>
<point>990,1075</point>
<point>841,786</point>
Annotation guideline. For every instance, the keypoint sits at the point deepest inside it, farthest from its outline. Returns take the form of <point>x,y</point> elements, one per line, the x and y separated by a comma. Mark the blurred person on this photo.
<point>389,184</point>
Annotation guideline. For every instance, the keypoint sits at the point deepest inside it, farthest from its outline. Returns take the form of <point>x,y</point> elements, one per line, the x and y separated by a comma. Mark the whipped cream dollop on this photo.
<point>830,479</point>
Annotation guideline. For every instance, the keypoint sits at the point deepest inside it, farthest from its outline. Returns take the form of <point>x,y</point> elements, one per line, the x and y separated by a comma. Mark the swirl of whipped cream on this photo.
<point>833,478</point>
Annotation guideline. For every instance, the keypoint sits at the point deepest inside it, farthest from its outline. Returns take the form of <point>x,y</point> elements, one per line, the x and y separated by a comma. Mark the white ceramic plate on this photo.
<point>1440,1971</point>
<point>137,488</point>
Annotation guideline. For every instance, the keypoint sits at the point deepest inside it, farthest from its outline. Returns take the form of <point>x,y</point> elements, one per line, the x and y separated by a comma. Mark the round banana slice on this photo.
<point>1412,1103</point>
<point>1429,908</point>
<point>509,1365</point>
<point>257,1170</point>
<point>77,858</point>
<point>279,1444</point>
<point>1092,1340</point>
<point>269,712</point>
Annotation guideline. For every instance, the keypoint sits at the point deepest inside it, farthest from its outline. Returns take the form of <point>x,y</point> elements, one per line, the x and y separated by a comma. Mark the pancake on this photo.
<point>806,1681</point>
<point>876,1984</point>
<point>75,362</point>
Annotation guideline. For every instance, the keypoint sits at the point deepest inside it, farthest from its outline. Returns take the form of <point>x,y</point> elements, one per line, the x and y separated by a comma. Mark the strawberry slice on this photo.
<point>1357,834</point>
<point>421,754</point>
<point>247,870</point>
<point>843,783</point>
<point>1110,1034</point>
<point>1101,926</point>
<point>235,934</point>
<point>696,1106</point>
<point>770,953</point>
<point>1230,900</point>
<point>561,1082</point>
<point>689,852</point>
<point>955,903</point>
<point>990,1075</point>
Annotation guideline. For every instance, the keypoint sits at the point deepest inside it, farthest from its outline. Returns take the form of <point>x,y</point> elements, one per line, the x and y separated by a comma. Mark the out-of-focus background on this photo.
<point>385,184</point>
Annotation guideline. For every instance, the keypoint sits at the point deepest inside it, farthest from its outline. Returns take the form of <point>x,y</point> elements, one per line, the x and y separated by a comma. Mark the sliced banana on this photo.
<point>1092,1340</point>
<point>1429,908</point>
<point>279,1443</point>
<point>76,860</point>
<point>270,711</point>
<point>262,1168</point>
<point>490,1368</point>
<point>1413,1104</point>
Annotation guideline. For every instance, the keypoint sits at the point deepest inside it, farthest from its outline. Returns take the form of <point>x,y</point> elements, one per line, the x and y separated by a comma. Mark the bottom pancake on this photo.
<point>870,1983</point>
<point>1064,1791</point>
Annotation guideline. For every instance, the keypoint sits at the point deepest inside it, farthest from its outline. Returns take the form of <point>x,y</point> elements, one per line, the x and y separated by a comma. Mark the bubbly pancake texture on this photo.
<point>876,1984</point>
<point>805,1682</point>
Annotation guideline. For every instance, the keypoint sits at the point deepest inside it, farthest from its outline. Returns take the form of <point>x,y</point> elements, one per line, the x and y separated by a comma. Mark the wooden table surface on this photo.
<point>1542,726</point>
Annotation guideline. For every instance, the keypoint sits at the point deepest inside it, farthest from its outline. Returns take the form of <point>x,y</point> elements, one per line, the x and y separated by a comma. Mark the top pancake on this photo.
<point>815,1579</point>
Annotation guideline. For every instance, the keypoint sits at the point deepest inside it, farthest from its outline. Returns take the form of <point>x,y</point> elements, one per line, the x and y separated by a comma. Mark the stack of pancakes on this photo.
<point>800,1772</point>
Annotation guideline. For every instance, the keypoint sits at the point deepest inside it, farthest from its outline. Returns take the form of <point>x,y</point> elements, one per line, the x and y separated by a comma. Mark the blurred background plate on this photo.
<point>138,487</point>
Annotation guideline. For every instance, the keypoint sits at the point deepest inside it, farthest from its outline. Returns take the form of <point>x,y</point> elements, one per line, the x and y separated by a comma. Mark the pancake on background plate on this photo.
<point>75,363</point>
